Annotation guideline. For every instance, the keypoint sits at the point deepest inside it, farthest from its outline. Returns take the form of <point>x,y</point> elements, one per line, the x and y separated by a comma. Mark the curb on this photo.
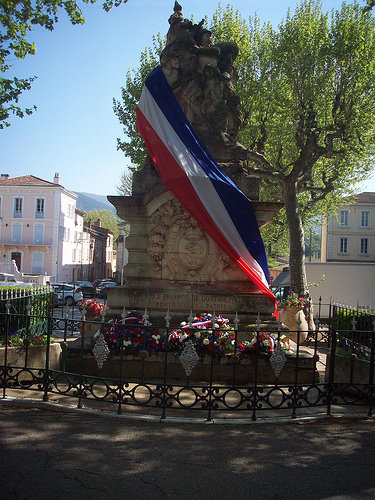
<point>57,407</point>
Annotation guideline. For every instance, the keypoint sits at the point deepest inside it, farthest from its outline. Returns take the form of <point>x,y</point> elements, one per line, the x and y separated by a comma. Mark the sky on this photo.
<point>80,70</point>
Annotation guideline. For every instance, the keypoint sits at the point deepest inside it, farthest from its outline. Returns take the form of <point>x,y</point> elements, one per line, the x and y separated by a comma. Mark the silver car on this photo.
<point>64,294</point>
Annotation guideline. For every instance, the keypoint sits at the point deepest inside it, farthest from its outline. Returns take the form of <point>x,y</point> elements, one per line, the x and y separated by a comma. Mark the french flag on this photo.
<point>193,177</point>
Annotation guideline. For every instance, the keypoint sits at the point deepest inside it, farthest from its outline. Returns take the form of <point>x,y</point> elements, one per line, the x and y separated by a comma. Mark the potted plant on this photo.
<point>291,311</point>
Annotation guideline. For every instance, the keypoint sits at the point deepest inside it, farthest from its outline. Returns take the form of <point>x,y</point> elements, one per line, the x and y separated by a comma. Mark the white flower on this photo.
<point>216,325</point>
<point>126,343</point>
<point>197,335</point>
<point>183,323</point>
<point>206,341</point>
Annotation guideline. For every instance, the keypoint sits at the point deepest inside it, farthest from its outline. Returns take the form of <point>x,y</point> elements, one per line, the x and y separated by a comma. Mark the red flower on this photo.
<point>135,340</point>
<point>241,346</point>
<point>153,343</point>
<point>222,343</point>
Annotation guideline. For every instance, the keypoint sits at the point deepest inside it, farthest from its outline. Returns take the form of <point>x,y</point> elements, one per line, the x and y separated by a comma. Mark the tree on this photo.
<point>17,20</point>
<point>125,186</point>
<point>308,99</point>
<point>134,147</point>
<point>307,93</point>
<point>107,218</point>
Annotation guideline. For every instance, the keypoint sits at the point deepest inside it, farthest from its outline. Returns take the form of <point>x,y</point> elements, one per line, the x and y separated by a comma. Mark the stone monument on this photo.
<point>173,263</point>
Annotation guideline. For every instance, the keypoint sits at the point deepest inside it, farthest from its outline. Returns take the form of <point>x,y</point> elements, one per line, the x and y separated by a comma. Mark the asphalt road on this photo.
<point>61,455</point>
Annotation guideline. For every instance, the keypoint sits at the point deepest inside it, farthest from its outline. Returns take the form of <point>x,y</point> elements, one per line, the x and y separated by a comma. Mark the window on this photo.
<point>17,212</point>
<point>38,234</point>
<point>39,208</point>
<point>37,263</point>
<point>364,246</point>
<point>343,245</point>
<point>365,218</point>
<point>17,233</point>
<point>344,218</point>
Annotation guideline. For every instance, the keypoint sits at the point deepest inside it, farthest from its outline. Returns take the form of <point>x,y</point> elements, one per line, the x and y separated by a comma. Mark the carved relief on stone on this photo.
<point>180,248</point>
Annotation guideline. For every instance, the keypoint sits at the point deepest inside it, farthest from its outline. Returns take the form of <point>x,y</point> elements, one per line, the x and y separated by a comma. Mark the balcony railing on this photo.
<point>39,215</point>
<point>17,214</point>
<point>24,241</point>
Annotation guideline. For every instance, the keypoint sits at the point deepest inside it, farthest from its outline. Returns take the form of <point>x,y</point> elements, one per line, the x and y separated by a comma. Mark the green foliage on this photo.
<point>17,18</point>
<point>133,147</point>
<point>107,218</point>
<point>125,186</point>
<point>26,306</point>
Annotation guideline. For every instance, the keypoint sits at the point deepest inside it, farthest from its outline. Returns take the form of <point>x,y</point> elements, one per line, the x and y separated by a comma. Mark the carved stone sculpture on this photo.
<point>202,77</point>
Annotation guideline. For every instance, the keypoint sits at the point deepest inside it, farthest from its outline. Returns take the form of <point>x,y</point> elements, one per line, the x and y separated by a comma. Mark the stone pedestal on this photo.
<point>173,264</point>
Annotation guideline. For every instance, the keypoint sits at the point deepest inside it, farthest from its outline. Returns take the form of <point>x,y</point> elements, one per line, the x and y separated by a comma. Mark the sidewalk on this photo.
<point>58,455</point>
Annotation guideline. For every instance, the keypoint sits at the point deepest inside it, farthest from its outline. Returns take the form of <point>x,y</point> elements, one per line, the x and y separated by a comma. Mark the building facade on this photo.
<point>351,237</point>
<point>42,230</point>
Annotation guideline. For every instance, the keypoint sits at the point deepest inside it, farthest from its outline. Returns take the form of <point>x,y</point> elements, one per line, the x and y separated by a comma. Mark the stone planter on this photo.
<point>345,367</point>
<point>36,356</point>
<point>289,317</point>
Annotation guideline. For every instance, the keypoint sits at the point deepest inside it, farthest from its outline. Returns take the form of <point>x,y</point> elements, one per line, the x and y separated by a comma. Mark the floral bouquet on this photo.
<point>292,299</point>
<point>267,343</point>
<point>93,306</point>
<point>134,333</point>
<point>209,335</point>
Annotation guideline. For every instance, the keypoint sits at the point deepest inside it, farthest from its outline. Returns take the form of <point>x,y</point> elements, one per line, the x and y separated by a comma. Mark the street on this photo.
<point>58,455</point>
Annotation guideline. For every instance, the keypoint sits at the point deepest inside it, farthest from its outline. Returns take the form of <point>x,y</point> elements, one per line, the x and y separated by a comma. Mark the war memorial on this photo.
<point>176,259</point>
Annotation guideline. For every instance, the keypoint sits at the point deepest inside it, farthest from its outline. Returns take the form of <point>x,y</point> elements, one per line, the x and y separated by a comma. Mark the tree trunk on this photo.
<point>297,269</point>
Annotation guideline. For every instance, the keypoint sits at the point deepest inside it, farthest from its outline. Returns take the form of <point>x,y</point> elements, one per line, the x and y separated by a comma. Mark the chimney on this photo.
<point>56,180</point>
<point>98,223</point>
<point>4,177</point>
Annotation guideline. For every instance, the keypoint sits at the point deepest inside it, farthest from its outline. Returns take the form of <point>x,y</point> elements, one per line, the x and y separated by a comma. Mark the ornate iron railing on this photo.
<point>132,366</point>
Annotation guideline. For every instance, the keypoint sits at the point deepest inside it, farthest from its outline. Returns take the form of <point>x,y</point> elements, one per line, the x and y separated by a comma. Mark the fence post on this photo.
<point>371,377</point>
<point>7,308</point>
<point>167,320</point>
<point>46,375</point>
<point>332,362</point>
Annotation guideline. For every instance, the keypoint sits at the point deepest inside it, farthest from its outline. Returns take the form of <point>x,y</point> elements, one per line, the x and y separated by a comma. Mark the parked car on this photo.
<point>64,294</point>
<point>103,287</point>
<point>87,289</point>
<point>96,283</point>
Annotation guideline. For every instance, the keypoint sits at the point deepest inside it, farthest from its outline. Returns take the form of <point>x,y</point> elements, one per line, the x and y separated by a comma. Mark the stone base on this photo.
<point>181,300</point>
<point>223,368</point>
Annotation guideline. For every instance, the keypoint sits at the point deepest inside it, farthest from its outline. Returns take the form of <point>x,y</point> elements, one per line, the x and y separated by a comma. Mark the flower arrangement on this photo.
<point>209,335</point>
<point>292,299</point>
<point>135,333</point>
<point>16,339</point>
<point>267,343</point>
<point>92,306</point>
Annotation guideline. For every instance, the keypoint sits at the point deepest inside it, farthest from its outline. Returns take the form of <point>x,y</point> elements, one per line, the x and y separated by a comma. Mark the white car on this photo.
<point>64,294</point>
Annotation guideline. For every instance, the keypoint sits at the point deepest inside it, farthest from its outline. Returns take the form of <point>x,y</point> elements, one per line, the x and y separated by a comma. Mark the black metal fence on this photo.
<point>208,367</point>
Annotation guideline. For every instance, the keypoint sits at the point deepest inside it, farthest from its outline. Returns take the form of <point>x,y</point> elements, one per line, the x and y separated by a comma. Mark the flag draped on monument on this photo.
<point>194,178</point>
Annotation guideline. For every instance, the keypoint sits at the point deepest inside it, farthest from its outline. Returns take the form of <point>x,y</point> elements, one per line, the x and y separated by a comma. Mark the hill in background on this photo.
<point>89,201</point>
